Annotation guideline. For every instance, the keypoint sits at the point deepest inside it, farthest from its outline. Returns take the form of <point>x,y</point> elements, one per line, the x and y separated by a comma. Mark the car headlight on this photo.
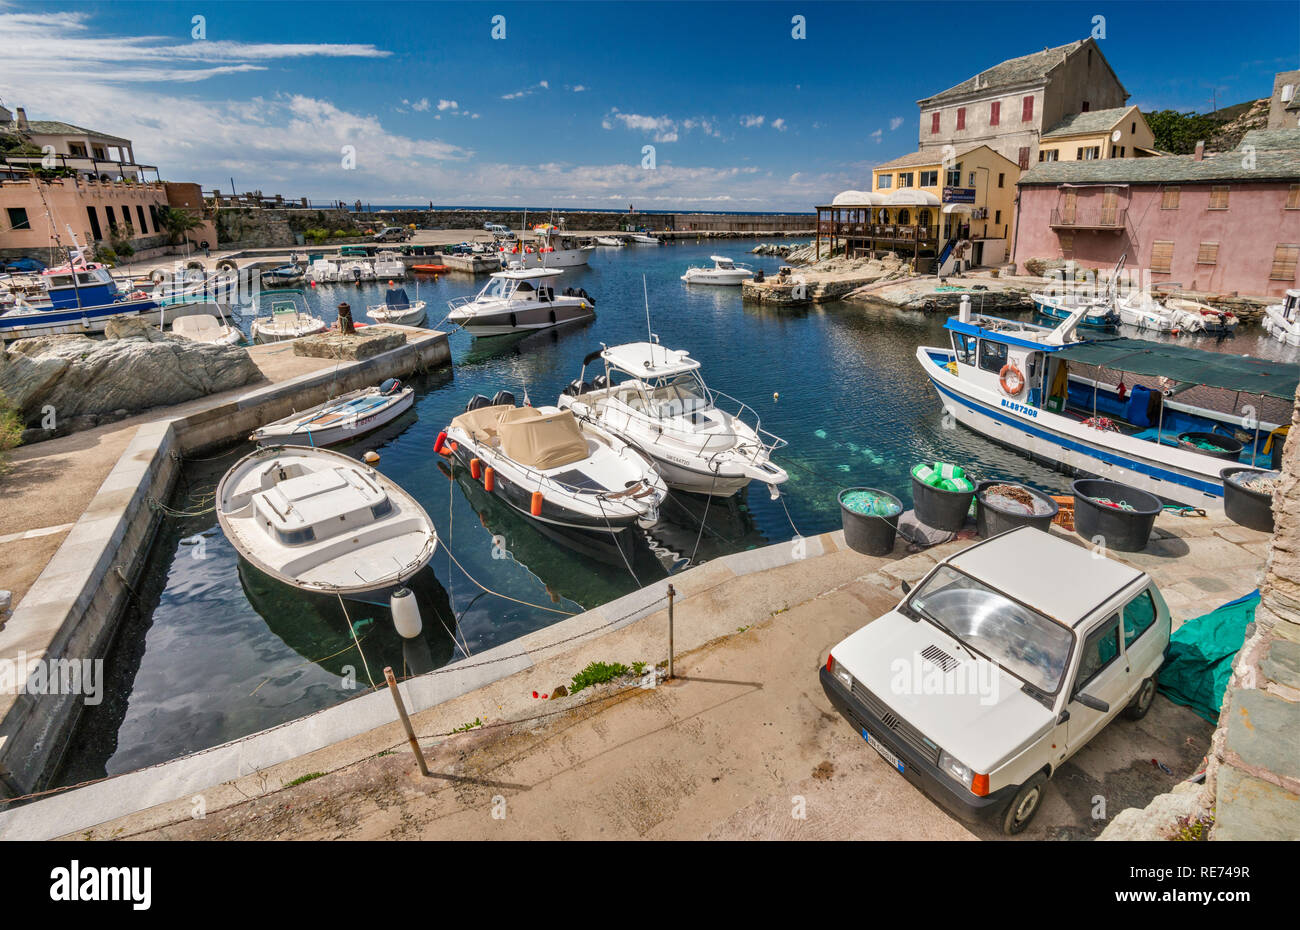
<point>958,770</point>
<point>840,672</point>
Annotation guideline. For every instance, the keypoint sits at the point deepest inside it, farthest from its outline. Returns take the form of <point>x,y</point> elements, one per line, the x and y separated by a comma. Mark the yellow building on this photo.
<point>944,215</point>
<point>1121,132</point>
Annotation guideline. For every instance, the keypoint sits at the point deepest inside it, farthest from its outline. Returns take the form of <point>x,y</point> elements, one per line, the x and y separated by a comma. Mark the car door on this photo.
<point>1145,633</point>
<point>1103,673</point>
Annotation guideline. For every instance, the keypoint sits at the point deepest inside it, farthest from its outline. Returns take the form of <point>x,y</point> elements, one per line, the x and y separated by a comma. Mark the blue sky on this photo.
<point>741,115</point>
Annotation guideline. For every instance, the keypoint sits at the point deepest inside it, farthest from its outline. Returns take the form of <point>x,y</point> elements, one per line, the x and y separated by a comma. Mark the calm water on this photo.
<point>213,652</point>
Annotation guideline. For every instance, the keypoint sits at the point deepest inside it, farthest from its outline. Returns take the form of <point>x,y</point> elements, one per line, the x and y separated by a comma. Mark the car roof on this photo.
<point>1058,578</point>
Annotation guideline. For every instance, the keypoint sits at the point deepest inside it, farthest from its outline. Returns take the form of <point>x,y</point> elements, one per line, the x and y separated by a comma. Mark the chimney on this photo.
<point>1200,151</point>
<point>22,119</point>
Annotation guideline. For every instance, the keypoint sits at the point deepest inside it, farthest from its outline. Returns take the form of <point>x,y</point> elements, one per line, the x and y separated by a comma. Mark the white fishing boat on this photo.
<point>1017,384</point>
<point>610,242</point>
<point>1282,321</point>
<point>1098,312</point>
<point>288,318</point>
<point>1140,309</point>
<point>207,327</point>
<point>518,300</point>
<point>1213,320</point>
<point>553,468</point>
<point>548,248</point>
<point>389,265</point>
<point>723,272</point>
<point>323,522</point>
<point>340,419</point>
<point>323,271</point>
<point>643,239</point>
<point>397,308</point>
<point>655,399</point>
<point>355,270</point>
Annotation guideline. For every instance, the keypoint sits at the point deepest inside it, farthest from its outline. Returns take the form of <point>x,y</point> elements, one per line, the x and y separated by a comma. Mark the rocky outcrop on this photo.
<point>364,343</point>
<point>61,384</point>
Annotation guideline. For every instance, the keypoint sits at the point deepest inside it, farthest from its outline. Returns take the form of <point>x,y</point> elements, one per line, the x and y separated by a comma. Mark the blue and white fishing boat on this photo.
<point>1100,313</point>
<point>342,419</point>
<point>1016,383</point>
<point>78,297</point>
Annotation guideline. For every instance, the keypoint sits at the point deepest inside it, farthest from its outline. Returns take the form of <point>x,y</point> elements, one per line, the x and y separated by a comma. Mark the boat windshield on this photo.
<point>1025,643</point>
<point>680,395</point>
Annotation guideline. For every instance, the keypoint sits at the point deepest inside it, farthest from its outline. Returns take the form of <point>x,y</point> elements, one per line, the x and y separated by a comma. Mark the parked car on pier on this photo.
<point>392,234</point>
<point>1002,663</point>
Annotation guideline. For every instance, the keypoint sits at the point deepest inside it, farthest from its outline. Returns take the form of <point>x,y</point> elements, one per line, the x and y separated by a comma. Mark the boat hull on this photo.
<point>535,318</point>
<point>1066,445</point>
<point>284,434</point>
<point>84,320</point>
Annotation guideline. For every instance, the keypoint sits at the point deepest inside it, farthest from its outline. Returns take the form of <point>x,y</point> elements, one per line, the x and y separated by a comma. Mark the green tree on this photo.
<point>1179,132</point>
<point>177,223</point>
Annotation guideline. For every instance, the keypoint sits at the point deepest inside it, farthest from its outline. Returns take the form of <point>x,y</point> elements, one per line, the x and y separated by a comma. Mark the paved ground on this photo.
<point>726,752</point>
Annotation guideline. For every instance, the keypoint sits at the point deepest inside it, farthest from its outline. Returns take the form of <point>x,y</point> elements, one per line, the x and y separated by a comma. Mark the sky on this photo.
<point>406,102</point>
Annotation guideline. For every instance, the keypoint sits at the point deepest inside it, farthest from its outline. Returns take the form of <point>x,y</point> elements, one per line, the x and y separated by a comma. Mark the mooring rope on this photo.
<point>353,630</point>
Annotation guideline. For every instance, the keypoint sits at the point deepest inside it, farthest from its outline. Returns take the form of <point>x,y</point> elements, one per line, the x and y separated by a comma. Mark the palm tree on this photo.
<point>177,223</point>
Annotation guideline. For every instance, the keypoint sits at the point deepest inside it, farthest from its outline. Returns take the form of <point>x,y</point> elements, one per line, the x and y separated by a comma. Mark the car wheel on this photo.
<point>1024,805</point>
<point>1142,701</point>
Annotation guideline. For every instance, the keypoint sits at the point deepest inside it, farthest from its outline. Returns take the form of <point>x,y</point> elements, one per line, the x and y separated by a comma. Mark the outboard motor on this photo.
<point>478,400</point>
<point>391,386</point>
<point>582,292</point>
<point>599,383</point>
<point>577,388</point>
<point>503,397</point>
<point>356,275</point>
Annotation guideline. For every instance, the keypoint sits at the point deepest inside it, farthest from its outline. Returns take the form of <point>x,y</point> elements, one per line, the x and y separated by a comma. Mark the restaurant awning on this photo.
<point>1243,373</point>
<point>958,208</point>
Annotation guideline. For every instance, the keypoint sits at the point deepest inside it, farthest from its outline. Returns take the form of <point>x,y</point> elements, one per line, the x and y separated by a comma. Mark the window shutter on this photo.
<point>961,117</point>
<point>1067,242</point>
<point>1208,254</point>
<point>1027,110</point>
<point>1024,156</point>
<point>934,123</point>
<point>1169,198</point>
<point>1284,262</point>
<point>1219,197</point>
<point>995,112</point>
<point>1293,197</point>
<point>1162,256</point>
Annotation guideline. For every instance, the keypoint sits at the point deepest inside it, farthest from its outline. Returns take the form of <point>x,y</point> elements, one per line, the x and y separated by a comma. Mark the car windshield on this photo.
<point>1023,642</point>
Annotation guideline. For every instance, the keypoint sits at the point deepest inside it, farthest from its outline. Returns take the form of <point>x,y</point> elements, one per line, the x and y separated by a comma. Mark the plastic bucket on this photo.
<point>1252,509</point>
<point>992,518</point>
<point>1231,447</point>
<point>1123,530</point>
<point>867,533</point>
<point>1279,444</point>
<point>943,510</point>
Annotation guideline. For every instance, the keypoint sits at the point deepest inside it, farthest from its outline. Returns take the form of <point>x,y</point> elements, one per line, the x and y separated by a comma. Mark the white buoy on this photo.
<point>406,613</point>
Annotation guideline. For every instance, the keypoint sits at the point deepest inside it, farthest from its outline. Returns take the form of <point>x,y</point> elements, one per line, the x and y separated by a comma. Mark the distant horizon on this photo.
<point>447,208</point>
<point>711,107</point>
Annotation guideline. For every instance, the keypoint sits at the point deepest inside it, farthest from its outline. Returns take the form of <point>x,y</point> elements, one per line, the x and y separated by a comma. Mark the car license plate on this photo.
<point>884,753</point>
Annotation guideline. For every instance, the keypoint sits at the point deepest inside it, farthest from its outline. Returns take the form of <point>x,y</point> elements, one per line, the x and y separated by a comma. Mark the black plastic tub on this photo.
<point>943,510</point>
<point>1231,447</point>
<point>1279,444</point>
<point>868,534</point>
<point>1242,505</point>
<point>991,518</point>
<point>1123,530</point>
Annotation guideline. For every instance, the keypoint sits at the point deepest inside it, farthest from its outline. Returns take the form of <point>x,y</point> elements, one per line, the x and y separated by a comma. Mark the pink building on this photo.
<point>1227,222</point>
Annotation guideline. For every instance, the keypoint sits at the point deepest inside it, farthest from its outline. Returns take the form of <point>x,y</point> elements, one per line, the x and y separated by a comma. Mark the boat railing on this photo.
<point>457,302</point>
<point>769,442</point>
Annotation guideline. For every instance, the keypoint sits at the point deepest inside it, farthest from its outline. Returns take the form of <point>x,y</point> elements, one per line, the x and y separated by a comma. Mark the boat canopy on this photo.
<point>649,359</point>
<point>541,440</point>
<point>1191,366</point>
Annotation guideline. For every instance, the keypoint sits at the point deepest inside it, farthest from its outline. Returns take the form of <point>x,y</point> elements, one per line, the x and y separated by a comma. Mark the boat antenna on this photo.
<point>646,293</point>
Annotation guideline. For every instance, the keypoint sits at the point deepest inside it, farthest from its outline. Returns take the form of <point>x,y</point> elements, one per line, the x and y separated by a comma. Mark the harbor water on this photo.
<point>211,650</point>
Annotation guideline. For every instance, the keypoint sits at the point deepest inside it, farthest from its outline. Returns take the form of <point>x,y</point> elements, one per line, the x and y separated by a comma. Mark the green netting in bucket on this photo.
<point>871,503</point>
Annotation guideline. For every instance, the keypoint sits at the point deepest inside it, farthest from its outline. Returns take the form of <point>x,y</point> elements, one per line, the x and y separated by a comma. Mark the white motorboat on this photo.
<point>517,300</point>
<point>1140,309</point>
<point>1282,321</point>
<point>206,327</point>
<point>323,271</point>
<point>610,242</point>
<point>1021,385</point>
<point>723,272</point>
<point>654,398</point>
<point>1213,320</point>
<point>77,297</point>
<point>323,522</point>
<point>549,248</point>
<point>341,419</point>
<point>397,308</point>
<point>288,318</point>
<point>1100,312</point>
<point>389,265</point>
<point>355,270</point>
<point>643,239</point>
<point>553,468</point>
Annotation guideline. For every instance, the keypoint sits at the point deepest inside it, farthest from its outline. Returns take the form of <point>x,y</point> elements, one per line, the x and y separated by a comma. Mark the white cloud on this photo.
<point>445,105</point>
<point>779,124</point>
<point>895,123</point>
<point>578,88</point>
<point>750,122</point>
<point>421,105</point>
<point>878,134</point>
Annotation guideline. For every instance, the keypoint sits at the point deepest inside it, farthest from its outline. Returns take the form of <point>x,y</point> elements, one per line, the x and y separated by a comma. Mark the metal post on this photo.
<point>406,721</point>
<point>671,594</point>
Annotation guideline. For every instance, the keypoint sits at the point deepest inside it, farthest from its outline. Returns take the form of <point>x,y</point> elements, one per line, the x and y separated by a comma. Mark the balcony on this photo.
<point>1103,220</point>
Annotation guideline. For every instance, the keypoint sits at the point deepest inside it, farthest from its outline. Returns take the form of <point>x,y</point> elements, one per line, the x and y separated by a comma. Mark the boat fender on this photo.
<point>514,321</point>
<point>406,613</point>
<point>536,508</point>
<point>475,469</point>
<point>370,458</point>
<point>1011,379</point>
<point>440,442</point>
<point>489,479</point>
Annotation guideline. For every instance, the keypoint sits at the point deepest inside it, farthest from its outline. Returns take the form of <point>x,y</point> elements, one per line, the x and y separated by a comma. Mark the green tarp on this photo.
<point>1199,661</point>
<point>1243,373</point>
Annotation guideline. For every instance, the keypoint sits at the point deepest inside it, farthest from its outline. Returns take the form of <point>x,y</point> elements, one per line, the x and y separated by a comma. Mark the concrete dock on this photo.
<point>728,750</point>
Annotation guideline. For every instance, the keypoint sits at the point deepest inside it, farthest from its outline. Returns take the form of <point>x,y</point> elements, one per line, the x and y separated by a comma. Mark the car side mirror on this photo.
<point>1087,700</point>
<point>1065,714</point>
<point>907,588</point>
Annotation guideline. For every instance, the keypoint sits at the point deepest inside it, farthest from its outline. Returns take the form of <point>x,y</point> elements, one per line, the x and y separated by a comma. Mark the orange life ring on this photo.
<point>1011,373</point>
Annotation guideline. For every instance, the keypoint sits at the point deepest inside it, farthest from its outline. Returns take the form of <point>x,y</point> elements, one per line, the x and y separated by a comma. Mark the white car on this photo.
<point>998,667</point>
